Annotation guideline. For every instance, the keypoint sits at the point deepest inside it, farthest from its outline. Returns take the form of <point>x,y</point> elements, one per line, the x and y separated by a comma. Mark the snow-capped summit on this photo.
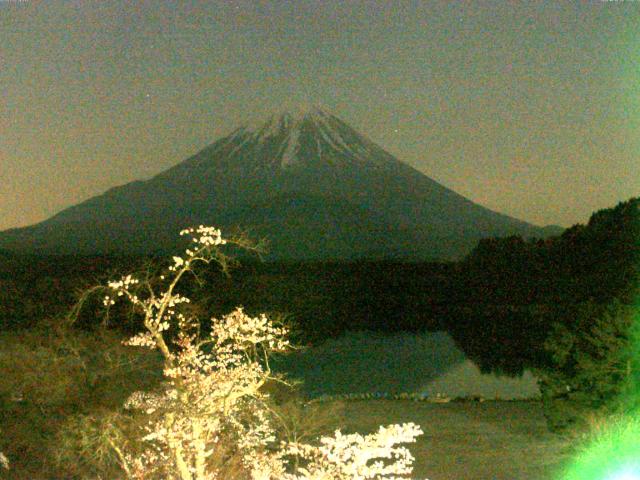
<point>306,133</point>
<point>303,178</point>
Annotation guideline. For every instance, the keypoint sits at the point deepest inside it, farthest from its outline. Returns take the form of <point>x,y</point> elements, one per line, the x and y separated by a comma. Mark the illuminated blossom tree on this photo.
<point>211,419</point>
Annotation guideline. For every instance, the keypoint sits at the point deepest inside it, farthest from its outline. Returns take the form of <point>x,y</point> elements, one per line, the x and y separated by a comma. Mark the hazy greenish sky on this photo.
<point>529,108</point>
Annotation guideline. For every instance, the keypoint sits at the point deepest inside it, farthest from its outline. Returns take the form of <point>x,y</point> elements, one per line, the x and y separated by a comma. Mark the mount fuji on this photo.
<point>307,181</point>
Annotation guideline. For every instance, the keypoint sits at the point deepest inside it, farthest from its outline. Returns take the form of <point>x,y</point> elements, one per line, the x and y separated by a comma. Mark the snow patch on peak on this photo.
<point>331,136</point>
<point>288,122</point>
<point>306,128</point>
<point>289,156</point>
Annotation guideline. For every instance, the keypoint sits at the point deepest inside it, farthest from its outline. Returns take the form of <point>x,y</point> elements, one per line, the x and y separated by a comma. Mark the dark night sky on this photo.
<point>529,108</point>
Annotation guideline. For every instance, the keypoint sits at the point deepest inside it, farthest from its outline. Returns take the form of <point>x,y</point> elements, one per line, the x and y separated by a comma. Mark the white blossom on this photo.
<point>144,339</point>
<point>358,457</point>
<point>214,393</point>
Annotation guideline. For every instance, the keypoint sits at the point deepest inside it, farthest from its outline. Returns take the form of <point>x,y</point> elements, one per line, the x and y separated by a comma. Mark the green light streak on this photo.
<point>613,455</point>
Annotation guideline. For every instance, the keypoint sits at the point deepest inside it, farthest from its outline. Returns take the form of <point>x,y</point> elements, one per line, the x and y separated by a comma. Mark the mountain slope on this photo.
<point>309,182</point>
